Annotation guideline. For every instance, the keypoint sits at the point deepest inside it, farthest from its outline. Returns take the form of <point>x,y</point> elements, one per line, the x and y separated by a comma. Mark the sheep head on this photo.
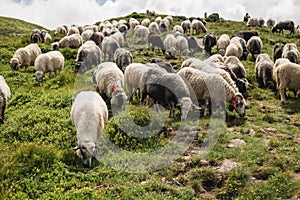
<point>119,98</point>
<point>39,75</point>
<point>186,105</point>
<point>238,103</point>
<point>86,152</point>
<point>15,64</point>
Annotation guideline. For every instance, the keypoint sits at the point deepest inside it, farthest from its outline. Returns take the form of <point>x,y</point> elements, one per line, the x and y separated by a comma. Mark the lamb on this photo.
<point>88,56</point>
<point>4,97</point>
<point>170,44</point>
<point>291,52</point>
<point>182,45</point>
<point>25,57</point>
<point>234,48</point>
<point>73,41</point>
<point>155,40</point>
<point>122,58</point>
<point>186,26</point>
<point>254,46</point>
<point>167,89</point>
<point>287,77</point>
<point>264,71</point>
<point>222,44</point>
<point>212,87</point>
<point>52,61</point>
<point>284,25</point>
<point>277,51</point>
<point>209,40</point>
<point>198,26</point>
<point>110,84</point>
<point>109,46</point>
<point>89,114</point>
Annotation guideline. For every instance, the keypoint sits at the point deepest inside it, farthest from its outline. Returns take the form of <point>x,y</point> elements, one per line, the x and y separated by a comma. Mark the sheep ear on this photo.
<point>195,107</point>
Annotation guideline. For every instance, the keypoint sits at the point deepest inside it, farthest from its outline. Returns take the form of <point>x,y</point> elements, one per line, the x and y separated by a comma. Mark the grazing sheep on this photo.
<point>25,57</point>
<point>209,40</point>
<point>253,22</point>
<point>264,71</point>
<point>88,56</point>
<point>246,35</point>
<point>4,97</point>
<point>89,114</point>
<point>110,84</point>
<point>141,32</point>
<point>73,30</point>
<point>186,26</point>
<point>277,51</point>
<point>261,22</point>
<point>61,30</point>
<point>97,37</point>
<point>145,22</point>
<point>52,61</point>
<point>280,61</point>
<point>182,45</point>
<point>290,51</point>
<point>212,87</point>
<point>47,38</point>
<point>198,26</point>
<point>170,44</point>
<point>109,46</point>
<point>73,41</point>
<point>118,36</point>
<point>284,25</point>
<point>270,22</point>
<point>155,39</point>
<point>254,46</point>
<point>164,25</point>
<point>158,19</point>
<point>163,64</point>
<point>35,36</point>
<point>287,76</point>
<point>192,43</point>
<point>236,66</point>
<point>234,48</point>
<point>167,89</point>
<point>178,28</point>
<point>222,44</point>
<point>216,58</point>
<point>86,35</point>
<point>133,23</point>
<point>123,29</point>
<point>122,58</point>
<point>154,27</point>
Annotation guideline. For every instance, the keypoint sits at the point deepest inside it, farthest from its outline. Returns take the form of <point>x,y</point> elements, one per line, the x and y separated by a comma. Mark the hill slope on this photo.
<point>12,26</point>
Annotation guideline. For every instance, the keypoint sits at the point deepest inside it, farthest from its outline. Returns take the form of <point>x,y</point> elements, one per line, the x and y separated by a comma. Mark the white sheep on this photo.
<point>281,61</point>
<point>287,76</point>
<point>182,45</point>
<point>25,57</point>
<point>118,36</point>
<point>141,32</point>
<point>73,41</point>
<point>145,22</point>
<point>4,97</point>
<point>123,57</point>
<point>216,58</point>
<point>158,19</point>
<point>88,56</point>
<point>52,61</point>
<point>186,26</point>
<point>213,88</point>
<point>253,22</point>
<point>86,35</point>
<point>164,25</point>
<point>222,44</point>
<point>110,84</point>
<point>89,114</point>
<point>178,28</point>
<point>47,38</point>
<point>153,27</point>
<point>61,30</point>
<point>290,51</point>
<point>234,48</point>
<point>198,26</point>
<point>109,46</point>
<point>170,44</point>
<point>236,66</point>
<point>133,23</point>
<point>73,30</point>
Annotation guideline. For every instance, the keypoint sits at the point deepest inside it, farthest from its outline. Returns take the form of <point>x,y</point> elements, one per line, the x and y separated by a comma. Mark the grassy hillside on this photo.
<point>11,26</point>
<point>37,160</point>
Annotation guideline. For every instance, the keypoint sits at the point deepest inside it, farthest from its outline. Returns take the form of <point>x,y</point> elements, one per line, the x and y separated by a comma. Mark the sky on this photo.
<point>53,13</point>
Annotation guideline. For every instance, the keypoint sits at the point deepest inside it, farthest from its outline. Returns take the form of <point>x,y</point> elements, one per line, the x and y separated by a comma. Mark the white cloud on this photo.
<point>51,13</point>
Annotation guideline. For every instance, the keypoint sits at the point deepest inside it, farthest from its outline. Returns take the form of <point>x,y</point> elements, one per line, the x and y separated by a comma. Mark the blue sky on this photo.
<point>52,13</point>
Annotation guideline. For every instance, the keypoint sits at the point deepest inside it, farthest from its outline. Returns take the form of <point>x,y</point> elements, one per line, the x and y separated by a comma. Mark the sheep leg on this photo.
<point>206,107</point>
<point>282,95</point>
<point>172,111</point>
<point>50,75</point>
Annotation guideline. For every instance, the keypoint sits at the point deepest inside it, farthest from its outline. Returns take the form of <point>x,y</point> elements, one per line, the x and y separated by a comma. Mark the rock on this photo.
<point>227,166</point>
<point>236,143</point>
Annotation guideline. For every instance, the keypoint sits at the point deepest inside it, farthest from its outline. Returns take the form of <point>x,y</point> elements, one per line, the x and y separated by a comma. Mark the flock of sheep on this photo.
<point>221,77</point>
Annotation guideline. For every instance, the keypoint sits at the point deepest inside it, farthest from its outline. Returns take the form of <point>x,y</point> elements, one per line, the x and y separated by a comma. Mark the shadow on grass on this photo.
<point>233,120</point>
<point>292,106</point>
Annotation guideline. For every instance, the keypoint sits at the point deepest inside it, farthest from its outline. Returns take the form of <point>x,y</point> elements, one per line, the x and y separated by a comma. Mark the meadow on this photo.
<point>37,139</point>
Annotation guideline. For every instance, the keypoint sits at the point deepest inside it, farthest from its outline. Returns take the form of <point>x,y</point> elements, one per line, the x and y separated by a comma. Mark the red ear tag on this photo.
<point>233,102</point>
<point>114,88</point>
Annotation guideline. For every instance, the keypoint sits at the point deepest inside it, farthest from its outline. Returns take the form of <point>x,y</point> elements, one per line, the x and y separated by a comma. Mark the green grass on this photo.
<point>37,160</point>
